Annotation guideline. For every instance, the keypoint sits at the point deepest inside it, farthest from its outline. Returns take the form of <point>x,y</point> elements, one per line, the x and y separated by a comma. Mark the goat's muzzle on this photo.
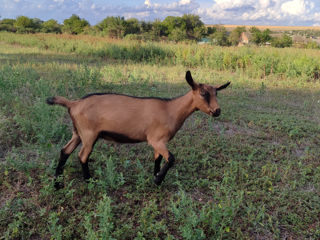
<point>215,113</point>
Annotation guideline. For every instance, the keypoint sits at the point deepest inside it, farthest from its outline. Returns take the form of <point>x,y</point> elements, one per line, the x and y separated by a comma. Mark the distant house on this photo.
<point>204,41</point>
<point>244,39</point>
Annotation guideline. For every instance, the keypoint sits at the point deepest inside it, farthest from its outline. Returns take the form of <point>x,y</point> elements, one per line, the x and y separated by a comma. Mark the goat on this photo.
<point>128,119</point>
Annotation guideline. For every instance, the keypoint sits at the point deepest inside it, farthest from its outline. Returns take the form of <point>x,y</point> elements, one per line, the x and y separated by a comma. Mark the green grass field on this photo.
<point>252,173</point>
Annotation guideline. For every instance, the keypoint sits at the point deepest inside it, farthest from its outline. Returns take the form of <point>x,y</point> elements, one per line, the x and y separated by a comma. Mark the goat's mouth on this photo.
<point>215,113</point>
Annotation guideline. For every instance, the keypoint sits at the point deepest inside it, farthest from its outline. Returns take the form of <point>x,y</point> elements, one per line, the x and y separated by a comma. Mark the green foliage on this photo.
<point>108,175</point>
<point>7,25</point>
<point>194,26</point>
<point>220,37</point>
<point>51,26</point>
<point>55,229</point>
<point>211,30</point>
<point>114,27</point>
<point>104,216</point>
<point>171,23</point>
<point>265,36</point>
<point>132,26</point>
<point>186,217</point>
<point>259,37</point>
<point>158,30</point>
<point>74,25</point>
<point>282,42</point>
<point>27,25</point>
<point>178,35</point>
<point>149,224</point>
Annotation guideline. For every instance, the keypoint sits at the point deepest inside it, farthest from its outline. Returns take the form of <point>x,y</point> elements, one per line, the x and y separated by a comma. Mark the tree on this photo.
<point>24,24</point>
<point>37,24</point>
<point>220,37</point>
<point>265,36</point>
<point>158,29</point>
<point>74,25</point>
<point>172,23</point>
<point>51,26</point>
<point>114,27</point>
<point>145,27</point>
<point>255,35</point>
<point>211,30</point>
<point>234,37</point>
<point>8,25</point>
<point>259,37</point>
<point>282,42</point>
<point>132,26</point>
<point>194,26</point>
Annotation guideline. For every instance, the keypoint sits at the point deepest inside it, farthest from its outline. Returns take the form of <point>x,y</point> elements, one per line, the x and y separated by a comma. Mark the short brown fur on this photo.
<point>124,118</point>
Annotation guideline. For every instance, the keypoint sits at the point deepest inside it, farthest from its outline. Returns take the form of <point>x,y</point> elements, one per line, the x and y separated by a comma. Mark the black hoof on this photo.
<point>158,180</point>
<point>87,178</point>
<point>58,185</point>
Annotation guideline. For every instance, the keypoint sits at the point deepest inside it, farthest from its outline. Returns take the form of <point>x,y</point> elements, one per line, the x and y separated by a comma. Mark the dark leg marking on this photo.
<point>62,162</point>
<point>157,163</point>
<point>59,170</point>
<point>161,175</point>
<point>85,170</point>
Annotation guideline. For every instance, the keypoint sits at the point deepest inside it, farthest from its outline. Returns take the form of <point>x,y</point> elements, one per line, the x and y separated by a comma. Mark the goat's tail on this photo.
<point>60,101</point>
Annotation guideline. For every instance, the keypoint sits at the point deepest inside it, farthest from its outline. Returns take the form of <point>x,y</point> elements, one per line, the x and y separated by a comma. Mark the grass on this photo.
<point>253,173</point>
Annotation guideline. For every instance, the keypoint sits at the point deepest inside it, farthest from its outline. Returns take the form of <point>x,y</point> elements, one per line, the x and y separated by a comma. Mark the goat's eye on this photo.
<point>205,95</point>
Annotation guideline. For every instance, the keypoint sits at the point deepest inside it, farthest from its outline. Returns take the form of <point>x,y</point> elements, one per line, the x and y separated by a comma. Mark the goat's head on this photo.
<point>205,96</point>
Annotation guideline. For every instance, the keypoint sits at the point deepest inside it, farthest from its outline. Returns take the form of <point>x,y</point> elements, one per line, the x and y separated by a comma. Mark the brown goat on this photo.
<point>127,119</point>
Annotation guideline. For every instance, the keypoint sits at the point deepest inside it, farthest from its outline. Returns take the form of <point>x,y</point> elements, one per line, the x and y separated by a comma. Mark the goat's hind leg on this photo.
<point>88,140</point>
<point>64,155</point>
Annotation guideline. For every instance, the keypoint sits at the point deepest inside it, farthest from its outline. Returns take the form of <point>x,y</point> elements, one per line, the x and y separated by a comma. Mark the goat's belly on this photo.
<point>118,137</point>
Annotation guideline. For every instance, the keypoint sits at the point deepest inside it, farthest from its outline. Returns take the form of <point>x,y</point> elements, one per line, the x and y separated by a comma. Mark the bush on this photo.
<point>282,42</point>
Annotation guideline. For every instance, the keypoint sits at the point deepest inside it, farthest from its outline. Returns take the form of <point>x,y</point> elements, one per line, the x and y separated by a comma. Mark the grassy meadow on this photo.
<point>252,173</point>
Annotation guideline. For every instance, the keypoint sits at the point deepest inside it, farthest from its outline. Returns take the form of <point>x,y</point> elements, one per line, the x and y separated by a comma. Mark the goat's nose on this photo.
<point>217,112</point>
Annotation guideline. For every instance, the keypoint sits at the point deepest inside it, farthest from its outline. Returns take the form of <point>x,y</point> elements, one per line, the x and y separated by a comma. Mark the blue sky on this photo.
<point>239,12</point>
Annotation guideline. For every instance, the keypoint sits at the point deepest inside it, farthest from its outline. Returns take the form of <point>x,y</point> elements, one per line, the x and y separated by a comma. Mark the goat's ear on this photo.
<point>223,86</point>
<point>190,81</point>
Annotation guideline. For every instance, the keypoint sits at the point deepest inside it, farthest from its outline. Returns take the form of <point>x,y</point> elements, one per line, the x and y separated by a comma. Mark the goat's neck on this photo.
<point>181,108</point>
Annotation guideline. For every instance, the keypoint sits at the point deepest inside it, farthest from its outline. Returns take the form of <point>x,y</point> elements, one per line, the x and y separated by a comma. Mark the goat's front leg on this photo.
<point>157,162</point>
<point>163,172</point>
<point>160,147</point>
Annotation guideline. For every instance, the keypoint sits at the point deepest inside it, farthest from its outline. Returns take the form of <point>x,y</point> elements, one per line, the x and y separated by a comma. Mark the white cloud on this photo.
<point>279,12</point>
<point>295,7</point>
<point>264,3</point>
<point>184,2</point>
<point>147,3</point>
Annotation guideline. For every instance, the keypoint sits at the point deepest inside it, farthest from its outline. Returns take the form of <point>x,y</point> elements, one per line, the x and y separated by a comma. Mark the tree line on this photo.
<point>189,27</point>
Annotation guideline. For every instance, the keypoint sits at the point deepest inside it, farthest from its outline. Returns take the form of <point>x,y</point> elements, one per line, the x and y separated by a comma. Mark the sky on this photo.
<point>238,12</point>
